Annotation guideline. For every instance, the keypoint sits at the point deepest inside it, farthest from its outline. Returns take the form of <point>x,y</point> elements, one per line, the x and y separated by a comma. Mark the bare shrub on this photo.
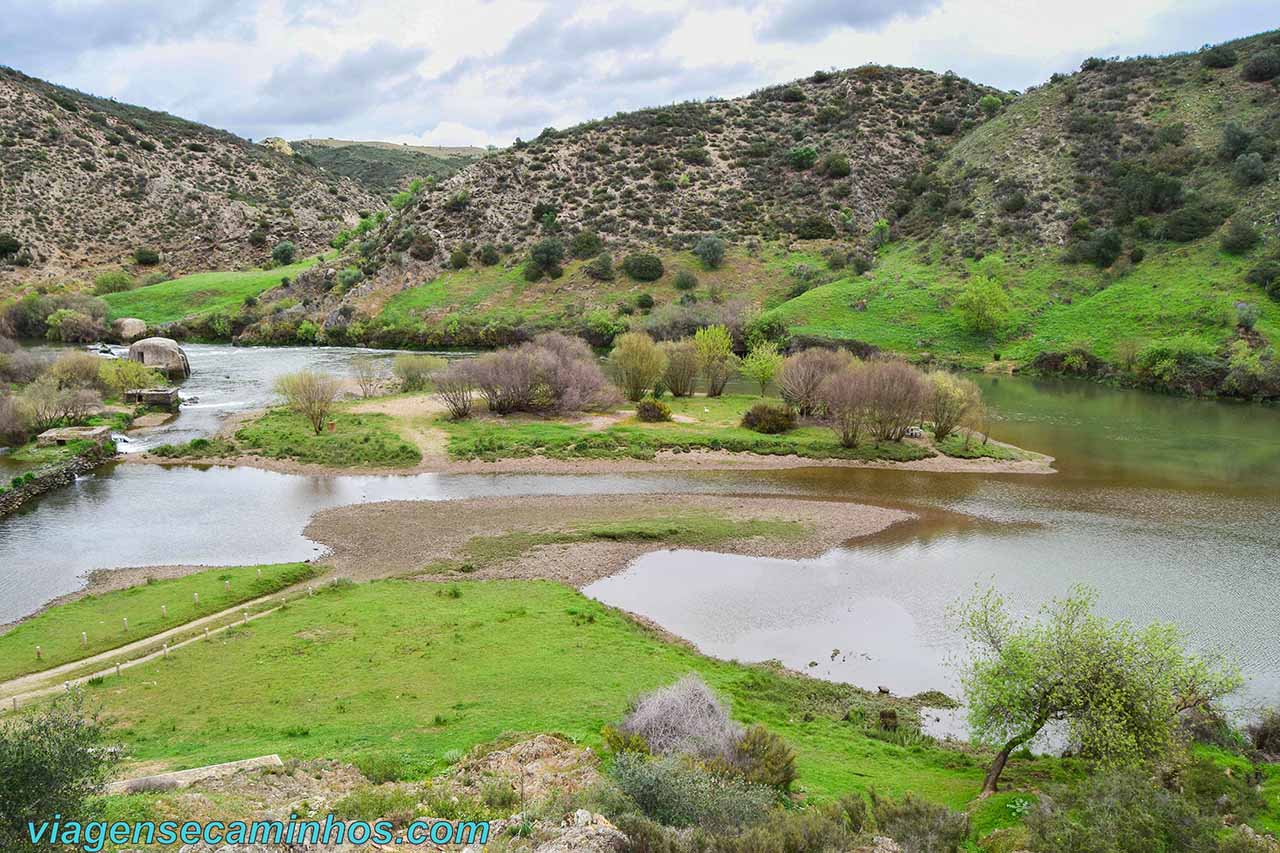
<point>310,394</point>
<point>7,345</point>
<point>681,375</point>
<point>685,718</point>
<point>76,370</point>
<point>45,405</point>
<point>896,394</point>
<point>949,400</point>
<point>509,379</point>
<point>1265,733</point>
<point>573,378</point>
<point>638,363</point>
<point>674,320</point>
<point>801,376</point>
<point>455,386</point>
<point>843,396</point>
<point>414,370</point>
<point>21,367</point>
<point>367,373</point>
<point>14,426</point>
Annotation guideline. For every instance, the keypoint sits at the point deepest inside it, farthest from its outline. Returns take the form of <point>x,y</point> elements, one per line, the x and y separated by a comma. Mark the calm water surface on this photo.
<point>1169,507</point>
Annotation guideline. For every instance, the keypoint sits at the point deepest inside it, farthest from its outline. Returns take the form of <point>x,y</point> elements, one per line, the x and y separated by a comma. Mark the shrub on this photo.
<point>73,327</point>
<point>710,250</point>
<point>310,394</point>
<point>834,165</point>
<point>643,267</point>
<point>553,372</point>
<point>1102,248</point>
<point>1267,276</point>
<point>546,256</point>
<point>896,394</point>
<point>14,426</point>
<point>715,357</point>
<point>681,374</point>
<point>769,418</point>
<point>21,367</point>
<point>644,301</point>
<point>638,363</point>
<point>53,762</point>
<point>113,281</point>
<point>1249,169</point>
<point>678,794</point>
<point>423,248</point>
<point>685,718</point>
<point>118,375</point>
<point>815,227</point>
<point>948,402</point>
<point>47,405</point>
<point>600,267</point>
<point>1265,733</point>
<point>367,373</point>
<point>843,397</point>
<point>990,105</point>
<point>489,254</point>
<point>1235,141</point>
<point>1191,223</point>
<point>802,158</point>
<point>458,201</point>
<point>146,257</point>
<point>1165,361</point>
<point>801,376</point>
<point>651,410</point>
<point>586,244</point>
<point>983,305</point>
<point>455,386</point>
<point>284,252</point>
<point>1262,66</point>
<point>349,278</point>
<point>1120,811</point>
<point>76,370</point>
<point>686,280</point>
<point>1221,56</point>
<point>414,371</point>
<point>919,825</point>
<point>9,245</point>
<point>459,258</point>
<point>762,364</point>
<point>1239,237</point>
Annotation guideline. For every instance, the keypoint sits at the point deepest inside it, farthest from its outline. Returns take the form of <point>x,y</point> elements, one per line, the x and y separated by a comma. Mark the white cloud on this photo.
<point>485,72</point>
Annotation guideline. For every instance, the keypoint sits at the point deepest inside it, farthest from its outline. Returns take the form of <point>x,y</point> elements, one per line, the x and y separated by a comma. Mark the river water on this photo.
<point>1170,508</point>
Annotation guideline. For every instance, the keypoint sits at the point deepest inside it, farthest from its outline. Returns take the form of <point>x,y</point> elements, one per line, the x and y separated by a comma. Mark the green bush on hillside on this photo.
<point>9,245</point>
<point>1249,169</point>
<point>1192,222</point>
<point>1239,237</point>
<point>686,280</point>
<point>459,258</point>
<point>144,257</point>
<point>710,250</point>
<point>651,410</point>
<point>1222,56</point>
<point>489,254</point>
<point>544,259</point>
<point>586,244</point>
<point>643,267</point>
<point>600,267</point>
<point>284,252</point>
<point>1267,276</point>
<point>114,281</point>
<point>802,158</point>
<point>1262,66</point>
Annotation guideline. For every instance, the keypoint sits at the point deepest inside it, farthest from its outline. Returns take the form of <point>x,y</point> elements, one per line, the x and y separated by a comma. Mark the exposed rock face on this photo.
<point>129,329</point>
<point>163,354</point>
<point>586,833</point>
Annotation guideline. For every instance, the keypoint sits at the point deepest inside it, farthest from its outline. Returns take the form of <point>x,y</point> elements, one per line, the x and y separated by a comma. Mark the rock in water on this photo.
<point>163,354</point>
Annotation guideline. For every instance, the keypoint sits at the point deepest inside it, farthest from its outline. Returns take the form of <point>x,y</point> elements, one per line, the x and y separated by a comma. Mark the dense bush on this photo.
<point>1239,237</point>
<point>762,364</point>
<point>117,375</point>
<point>73,327</point>
<point>14,424</point>
<point>676,793</point>
<point>545,257</point>
<point>489,254</point>
<point>77,370</point>
<point>1249,169</point>
<point>53,762</point>
<point>983,305</point>
<point>651,410</point>
<point>1121,812</point>
<point>716,358</point>
<point>1192,222</point>
<point>896,394</point>
<point>801,376</point>
<point>769,418</point>
<point>919,825</point>
<point>834,165</point>
<point>644,301</point>
<point>1267,276</point>
<point>47,405</point>
<point>586,244</point>
<point>1221,56</point>
<point>710,250</point>
<point>284,252</point>
<point>113,281</point>
<point>843,396</point>
<point>1262,66</point>
<point>802,158</point>
<point>949,400</point>
<point>423,248</point>
<point>643,267</point>
<point>681,374</point>
<point>21,366</point>
<point>310,394</point>
<point>600,267</point>
<point>815,227</point>
<point>9,245</point>
<point>1103,247</point>
<point>638,363</point>
<point>553,372</point>
<point>414,370</point>
<point>144,257</point>
<point>686,280</point>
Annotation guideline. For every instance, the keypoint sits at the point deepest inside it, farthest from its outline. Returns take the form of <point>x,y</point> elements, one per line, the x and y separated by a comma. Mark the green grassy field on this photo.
<point>712,424</point>
<point>57,630</point>
<point>411,671</point>
<point>904,304</point>
<point>202,293</point>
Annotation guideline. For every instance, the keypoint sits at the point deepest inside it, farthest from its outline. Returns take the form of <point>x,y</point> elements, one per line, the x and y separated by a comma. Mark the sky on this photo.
<point>488,71</point>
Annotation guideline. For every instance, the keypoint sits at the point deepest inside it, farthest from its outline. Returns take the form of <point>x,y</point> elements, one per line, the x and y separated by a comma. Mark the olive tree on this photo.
<point>761,364</point>
<point>310,394</point>
<point>715,357</point>
<point>1117,689</point>
<point>638,363</point>
<point>52,763</point>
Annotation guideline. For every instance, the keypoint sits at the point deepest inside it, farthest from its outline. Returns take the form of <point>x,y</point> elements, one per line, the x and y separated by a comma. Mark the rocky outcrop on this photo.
<point>163,354</point>
<point>129,329</point>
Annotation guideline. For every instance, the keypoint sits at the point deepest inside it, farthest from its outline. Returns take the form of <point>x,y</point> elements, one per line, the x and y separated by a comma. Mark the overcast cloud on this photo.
<point>488,71</point>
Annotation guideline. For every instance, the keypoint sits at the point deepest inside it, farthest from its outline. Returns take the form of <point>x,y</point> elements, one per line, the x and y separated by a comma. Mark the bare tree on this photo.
<point>365,370</point>
<point>802,375</point>
<point>455,386</point>
<point>681,375</point>
<point>844,396</point>
<point>895,398</point>
<point>310,394</point>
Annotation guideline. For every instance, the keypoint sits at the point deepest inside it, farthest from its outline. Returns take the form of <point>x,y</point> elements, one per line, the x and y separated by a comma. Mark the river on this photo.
<point>1169,507</point>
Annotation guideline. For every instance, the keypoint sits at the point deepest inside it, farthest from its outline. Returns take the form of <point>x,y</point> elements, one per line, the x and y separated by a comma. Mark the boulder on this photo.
<point>129,329</point>
<point>163,354</point>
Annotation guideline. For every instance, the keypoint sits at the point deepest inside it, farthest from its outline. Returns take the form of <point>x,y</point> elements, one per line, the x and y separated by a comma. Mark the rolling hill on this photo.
<point>384,168</point>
